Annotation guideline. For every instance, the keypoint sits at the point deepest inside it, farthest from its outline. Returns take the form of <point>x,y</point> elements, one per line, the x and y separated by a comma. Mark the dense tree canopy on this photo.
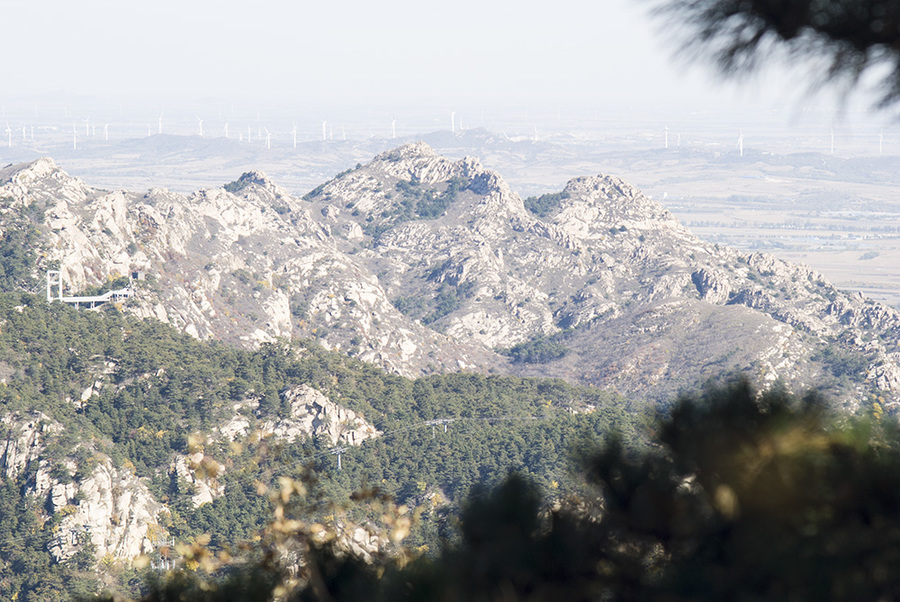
<point>151,390</point>
<point>745,497</point>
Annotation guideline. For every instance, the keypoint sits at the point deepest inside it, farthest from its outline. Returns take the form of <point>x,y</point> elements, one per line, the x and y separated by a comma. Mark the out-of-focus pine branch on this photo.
<point>852,37</point>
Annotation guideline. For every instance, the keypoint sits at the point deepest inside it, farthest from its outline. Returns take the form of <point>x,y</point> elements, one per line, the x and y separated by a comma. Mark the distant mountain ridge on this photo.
<point>421,264</point>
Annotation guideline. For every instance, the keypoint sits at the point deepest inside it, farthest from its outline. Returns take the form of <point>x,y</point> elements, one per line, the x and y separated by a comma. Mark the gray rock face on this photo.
<point>202,472</point>
<point>248,266</point>
<point>314,415</point>
<point>109,506</point>
<point>114,510</point>
<point>23,441</point>
<point>421,264</point>
<point>711,286</point>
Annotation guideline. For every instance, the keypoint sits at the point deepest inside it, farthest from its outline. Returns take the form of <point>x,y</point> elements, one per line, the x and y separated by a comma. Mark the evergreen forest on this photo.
<point>154,392</point>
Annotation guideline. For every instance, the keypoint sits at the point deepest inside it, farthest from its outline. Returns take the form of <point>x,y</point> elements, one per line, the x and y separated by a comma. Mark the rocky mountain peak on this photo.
<point>616,200</point>
<point>409,151</point>
<point>28,181</point>
<point>414,187</point>
<point>419,155</point>
<point>255,180</point>
<point>28,172</point>
<point>421,263</point>
<point>417,161</point>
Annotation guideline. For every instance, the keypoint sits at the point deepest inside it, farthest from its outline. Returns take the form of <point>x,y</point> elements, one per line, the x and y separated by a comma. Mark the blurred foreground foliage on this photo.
<point>743,497</point>
<point>849,44</point>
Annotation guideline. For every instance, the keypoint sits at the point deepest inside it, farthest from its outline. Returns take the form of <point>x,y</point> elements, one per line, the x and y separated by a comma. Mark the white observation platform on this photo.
<point>55,293</point>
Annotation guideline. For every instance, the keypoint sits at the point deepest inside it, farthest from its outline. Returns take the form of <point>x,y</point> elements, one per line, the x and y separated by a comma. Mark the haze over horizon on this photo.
<point>610,57</point>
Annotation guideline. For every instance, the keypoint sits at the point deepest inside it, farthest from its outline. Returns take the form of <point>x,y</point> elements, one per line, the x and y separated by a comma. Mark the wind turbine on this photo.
<point>667,136</point>
<point>226,129</point>
<point>268,139</point>
<point>23,134</point>
<point>452,121</point>
<point>294,134</point>
<point>106,131</point>
<point>199,127</point>
<point>32,133</point>
<point>87,127</point>
<point>393,129</point>
<point>74,137</point>
<point>881,142</point>
<point>149,131</point>
<point>740,142</point>
<point>8,136</point>
<point>159,125</point>
<point>324,131</point>
<point>832,141</point>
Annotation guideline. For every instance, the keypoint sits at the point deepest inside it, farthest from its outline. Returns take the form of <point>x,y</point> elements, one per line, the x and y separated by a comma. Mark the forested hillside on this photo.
<point>743,496</point>
<point>137,394</point>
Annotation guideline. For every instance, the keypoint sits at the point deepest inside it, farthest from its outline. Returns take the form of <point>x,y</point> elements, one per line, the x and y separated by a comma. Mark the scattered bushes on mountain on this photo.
<point>842,363</point>
<point>243,276</point>
<point>544,205</point>
<point>314,193</point>
<point>299,307</point>
<point>413,305</point>
<point>539,350</point>
<point>415,202</point>
<point>432,204</point>
<point>236,186</point>
<point>318,190</point>
<point>447,299</point>
<point>19,236</point>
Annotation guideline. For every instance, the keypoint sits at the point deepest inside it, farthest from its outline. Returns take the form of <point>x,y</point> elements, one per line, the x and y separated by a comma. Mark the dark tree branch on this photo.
<point>852,36</point>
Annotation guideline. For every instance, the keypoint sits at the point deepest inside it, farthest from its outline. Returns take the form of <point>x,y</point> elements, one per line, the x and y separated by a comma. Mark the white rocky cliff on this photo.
<point>420,264</point>
<point>311,415</point>
<point>314,415</point>
<point>108,506</point>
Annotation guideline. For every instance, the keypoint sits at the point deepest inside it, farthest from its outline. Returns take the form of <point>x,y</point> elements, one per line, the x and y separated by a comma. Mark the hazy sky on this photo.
<point>464,51</point>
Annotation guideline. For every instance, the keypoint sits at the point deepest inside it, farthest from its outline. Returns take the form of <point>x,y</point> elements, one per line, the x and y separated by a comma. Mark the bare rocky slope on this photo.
<point>422,264</point>
<point>111,508</point>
